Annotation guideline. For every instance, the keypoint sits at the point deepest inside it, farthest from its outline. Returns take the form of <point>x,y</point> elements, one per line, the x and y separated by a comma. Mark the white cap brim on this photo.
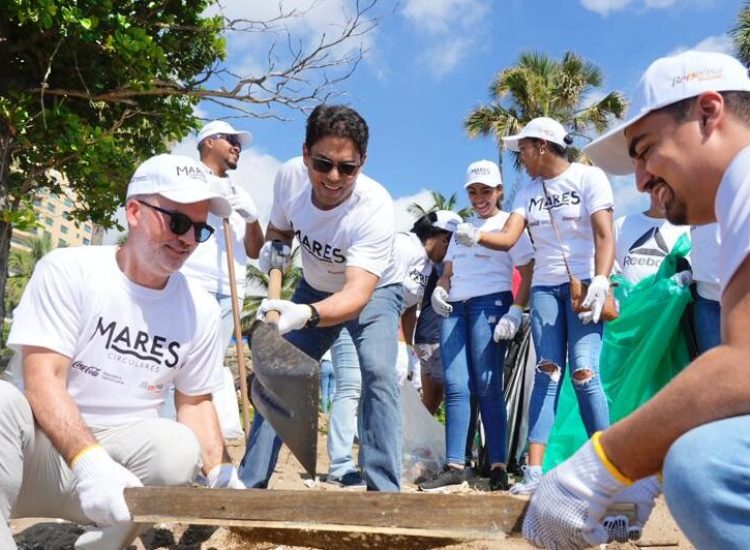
<point>511,142</point>
<point>217,204</point>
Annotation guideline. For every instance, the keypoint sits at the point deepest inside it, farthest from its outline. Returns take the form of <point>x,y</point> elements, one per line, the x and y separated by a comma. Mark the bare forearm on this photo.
<point>604,257</point>
<point>496,240</point>
<point>274,234</point>
<point>713,387</point>
<point>253,240</point>
<point>59,418</point>
<point>408,322</point>
<point>202,419</point>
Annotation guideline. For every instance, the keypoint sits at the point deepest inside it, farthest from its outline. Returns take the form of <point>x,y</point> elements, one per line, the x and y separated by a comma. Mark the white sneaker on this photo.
<point>531,477</point>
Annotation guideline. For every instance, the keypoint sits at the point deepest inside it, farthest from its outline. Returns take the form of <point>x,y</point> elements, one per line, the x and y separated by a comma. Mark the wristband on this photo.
<point>611,468</point>
<point>314,319</point>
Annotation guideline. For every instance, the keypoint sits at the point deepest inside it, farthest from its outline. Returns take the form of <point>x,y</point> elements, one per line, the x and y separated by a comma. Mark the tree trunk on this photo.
<point>6,231</point>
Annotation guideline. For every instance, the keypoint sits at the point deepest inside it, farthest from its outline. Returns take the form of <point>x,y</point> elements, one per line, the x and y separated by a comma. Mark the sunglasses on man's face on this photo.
<point>180,224</point>
<point>233,140</point>
<point>324,165</point>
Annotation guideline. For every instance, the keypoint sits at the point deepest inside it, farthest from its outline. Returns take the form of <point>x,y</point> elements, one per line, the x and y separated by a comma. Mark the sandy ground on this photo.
<point>44,534</point>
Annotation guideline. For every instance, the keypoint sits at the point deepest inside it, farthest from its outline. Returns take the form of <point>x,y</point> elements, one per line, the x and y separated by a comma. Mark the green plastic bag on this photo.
<point>643,349</point>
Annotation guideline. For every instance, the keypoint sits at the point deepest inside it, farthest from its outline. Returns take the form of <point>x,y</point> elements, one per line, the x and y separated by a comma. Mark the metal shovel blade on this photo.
<point>285,389</point>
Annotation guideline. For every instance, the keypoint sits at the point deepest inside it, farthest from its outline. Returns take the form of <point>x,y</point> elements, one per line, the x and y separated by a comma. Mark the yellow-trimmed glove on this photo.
<point>571,500</point>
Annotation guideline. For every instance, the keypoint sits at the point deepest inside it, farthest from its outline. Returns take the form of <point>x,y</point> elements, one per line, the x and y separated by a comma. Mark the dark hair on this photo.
<point>337,121</point>
<point>424,229</point>
<point>736,102</point>
<point>559,150</point>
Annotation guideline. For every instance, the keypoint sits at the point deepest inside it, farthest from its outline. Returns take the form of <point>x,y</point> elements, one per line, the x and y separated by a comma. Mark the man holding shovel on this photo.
<point>103,332</point>
<point>220,146</point>
<point>344,222</point>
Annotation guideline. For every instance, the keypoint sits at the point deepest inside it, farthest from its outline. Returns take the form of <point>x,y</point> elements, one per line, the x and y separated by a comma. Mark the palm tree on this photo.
<point>21,265</point>
<point>741,34</point>
<point>439,202</point>
<point>541,86</point>
<point>289,282</point>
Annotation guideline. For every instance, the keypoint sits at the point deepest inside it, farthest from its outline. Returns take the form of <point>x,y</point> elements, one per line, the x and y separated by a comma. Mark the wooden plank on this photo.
<point>470,515</point>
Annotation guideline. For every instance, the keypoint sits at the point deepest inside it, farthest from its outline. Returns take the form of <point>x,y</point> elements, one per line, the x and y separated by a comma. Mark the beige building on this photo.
<point>50,214</point>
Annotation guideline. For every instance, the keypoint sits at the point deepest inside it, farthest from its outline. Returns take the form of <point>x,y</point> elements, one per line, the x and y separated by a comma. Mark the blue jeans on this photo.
<point>707,483</point>
<point>560,337</point>
<point>375,334</point>
<point>343,419</point>
<point>327,384</point>
<point>473,365</point>
<point>707,321</point>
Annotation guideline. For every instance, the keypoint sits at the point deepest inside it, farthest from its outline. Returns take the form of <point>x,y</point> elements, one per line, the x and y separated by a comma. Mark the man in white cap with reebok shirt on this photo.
<point>687,140</point>
<point>103,332</point>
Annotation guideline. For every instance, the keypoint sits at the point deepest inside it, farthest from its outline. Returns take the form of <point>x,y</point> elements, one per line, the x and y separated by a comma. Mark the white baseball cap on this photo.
<point>179,179</point>
<point>666,81</point>
<point>447,220</point>
<point>222,127</point>
<point>542,127</point>
<point>483,171</point>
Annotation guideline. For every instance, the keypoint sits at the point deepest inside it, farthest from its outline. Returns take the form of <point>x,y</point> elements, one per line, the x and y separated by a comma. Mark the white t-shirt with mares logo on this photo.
<point>208,264</point>
<point>477,270</point>
<point>411,255</point>
<point>357,233</point>
<point>732,209</point>
<point>574,196</point>
<point>127,343</point>
<point>704,260</point>
<point>642,243</point>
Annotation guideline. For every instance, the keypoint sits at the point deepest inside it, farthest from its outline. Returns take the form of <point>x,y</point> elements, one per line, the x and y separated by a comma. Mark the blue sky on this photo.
<point>429,62</point>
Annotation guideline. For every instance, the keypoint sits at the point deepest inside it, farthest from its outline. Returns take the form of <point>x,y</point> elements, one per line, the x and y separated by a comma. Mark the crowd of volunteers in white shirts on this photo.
<point>359,275</point>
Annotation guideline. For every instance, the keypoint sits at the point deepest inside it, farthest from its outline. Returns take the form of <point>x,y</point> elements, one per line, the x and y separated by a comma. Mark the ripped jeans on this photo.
<point>561,338</point>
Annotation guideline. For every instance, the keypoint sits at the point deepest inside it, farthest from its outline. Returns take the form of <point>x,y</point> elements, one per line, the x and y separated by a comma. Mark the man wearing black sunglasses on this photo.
<point>220,146</point>
<point>344,222</point>
<point>101,333</point>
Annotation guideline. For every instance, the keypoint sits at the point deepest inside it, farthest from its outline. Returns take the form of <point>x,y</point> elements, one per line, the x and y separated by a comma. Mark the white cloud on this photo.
<point>628,200</point>
<point>453,28</point>
<point>721,43</point>
<point>405,219</point>
<point>605,7</point>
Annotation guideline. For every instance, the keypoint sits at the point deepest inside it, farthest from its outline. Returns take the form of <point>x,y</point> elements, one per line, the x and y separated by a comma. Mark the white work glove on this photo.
<point>439,301</point>
<point>571,500</point>
<point>466,234</point>
<point>683,278</point>
<point>508,325</point>
<point>594,300</point>
<point>224,476</point>
<point>269,258</point>
<point>413,359</point>
<point>291,316</point>
<point>243,204</point>
<point>100,482</point>
<point>643,494</point>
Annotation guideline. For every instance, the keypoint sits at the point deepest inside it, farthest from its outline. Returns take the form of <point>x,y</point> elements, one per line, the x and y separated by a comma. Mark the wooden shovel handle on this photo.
<point>274,292</point>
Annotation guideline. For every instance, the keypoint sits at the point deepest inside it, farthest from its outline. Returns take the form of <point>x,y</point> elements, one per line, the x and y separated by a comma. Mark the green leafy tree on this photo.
<point>21,265</point>
<point>541,86</point>
<point>741,33</point>
<point>90,88</point>
<point>255,277</point>
<point>439,202</point>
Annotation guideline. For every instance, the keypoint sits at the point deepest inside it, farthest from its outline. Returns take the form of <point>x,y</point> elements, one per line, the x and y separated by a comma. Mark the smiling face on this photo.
<point>484,199</point>
<point>158,252</point>
<point>664,150</point>
<point>333,187</point>
<point>221,152</point>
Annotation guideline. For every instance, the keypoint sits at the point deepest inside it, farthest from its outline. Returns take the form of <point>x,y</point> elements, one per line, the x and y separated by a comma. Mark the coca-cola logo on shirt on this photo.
<point>86,369</point>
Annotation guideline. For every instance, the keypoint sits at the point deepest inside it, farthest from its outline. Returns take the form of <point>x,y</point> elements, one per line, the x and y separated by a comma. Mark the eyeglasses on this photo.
<point>180,224</point>
<point>324,165</point>
<point>233,140</point>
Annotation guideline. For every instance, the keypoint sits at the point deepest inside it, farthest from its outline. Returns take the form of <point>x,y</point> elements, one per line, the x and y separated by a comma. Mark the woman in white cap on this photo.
<point>474,295</point>
<point>567,209</point>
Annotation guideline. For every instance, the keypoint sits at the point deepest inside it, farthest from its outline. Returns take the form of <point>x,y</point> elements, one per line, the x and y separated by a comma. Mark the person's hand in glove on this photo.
<point>594,300</point>
<point>243,204</point>
<point>439,301</point>
<point>100,482</point>
<point>571,500</point>
<point>224,475</point>
<point>643,495</point>
<point>508,325</point>
<point>466,234</point>
<point>271,256</point>
<point>683,278</point>
<point>291,316</point>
